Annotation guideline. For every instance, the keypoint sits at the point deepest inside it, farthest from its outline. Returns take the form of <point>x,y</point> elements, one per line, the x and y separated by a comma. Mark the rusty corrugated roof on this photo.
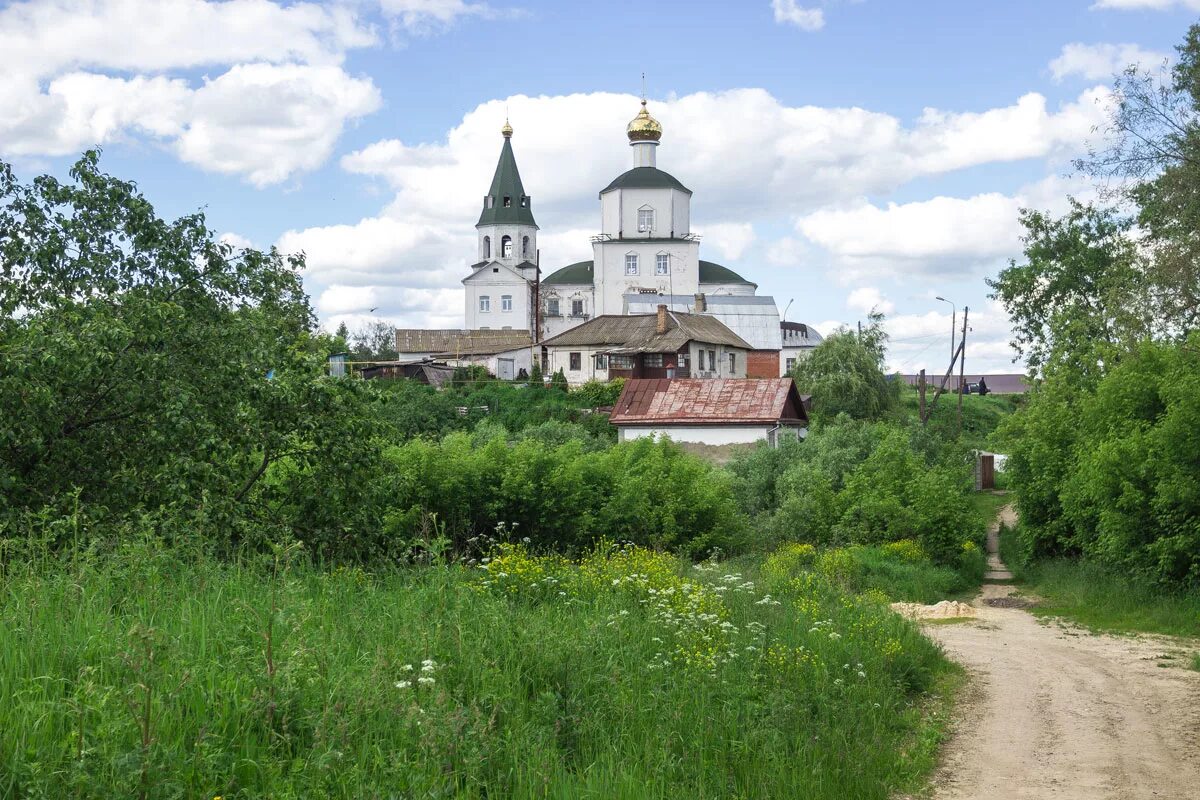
<point>689,401</point>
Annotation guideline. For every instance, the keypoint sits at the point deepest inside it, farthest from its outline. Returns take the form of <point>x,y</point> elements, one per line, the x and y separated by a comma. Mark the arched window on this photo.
<point>525,247</point>
<point>487,247</point>
<point>506,247</point>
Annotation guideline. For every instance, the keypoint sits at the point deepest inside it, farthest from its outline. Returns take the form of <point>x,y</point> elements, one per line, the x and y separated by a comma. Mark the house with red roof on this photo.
<point>712,412</point>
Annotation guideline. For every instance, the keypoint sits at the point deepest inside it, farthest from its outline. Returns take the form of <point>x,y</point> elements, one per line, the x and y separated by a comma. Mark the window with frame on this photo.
<point>552,307</point>
<point>631,264</point>
<point>620,362</point>
<point>576,362</point>
<point>654,360</point>
<point>507,202</point>
<point>506,246</point>
<point>601,360</point>
<point>506,302</point>
<point>576,308</point>
<point>681,360</point>
<point>712,360</point>
<point>732,363</point>
<point>485,303</point>
<point>790,364</point>
<point>662,264</point>
<point>645,220</point>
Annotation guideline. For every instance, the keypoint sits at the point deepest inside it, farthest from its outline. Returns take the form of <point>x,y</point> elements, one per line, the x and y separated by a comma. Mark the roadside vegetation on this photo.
<point>1105,305</point>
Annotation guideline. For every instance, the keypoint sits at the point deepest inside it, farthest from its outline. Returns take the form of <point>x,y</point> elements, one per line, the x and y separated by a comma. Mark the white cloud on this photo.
<point>922,341</point>
<point>1149,5</point>
<point>729,239</point>
<point>929,235</point>
<point>1101,61</point>
<point>789,13</point>
<point>866,299</point>
<point>74,74</point>
<point>942,235</point>
<point>424,16</point>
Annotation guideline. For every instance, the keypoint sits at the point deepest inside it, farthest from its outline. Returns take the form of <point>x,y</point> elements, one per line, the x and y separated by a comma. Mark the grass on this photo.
<point>981,415</point>
<point>627,675</point>
<point>988,504</point>
<point>1100,599</point>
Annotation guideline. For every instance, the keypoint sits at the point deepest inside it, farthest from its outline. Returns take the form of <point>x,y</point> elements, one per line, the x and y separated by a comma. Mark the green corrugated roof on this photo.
<point>715,273</point>
<point>581,272</point>
<point>646,178</point>
<point>507,183</point>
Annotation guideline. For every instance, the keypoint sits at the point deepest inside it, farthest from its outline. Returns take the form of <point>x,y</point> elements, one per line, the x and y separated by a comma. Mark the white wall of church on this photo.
<point>613,281</point>
<point>491,240</point>
<point>494,284</point>
<point>566,318</point>
<point>619,212</point>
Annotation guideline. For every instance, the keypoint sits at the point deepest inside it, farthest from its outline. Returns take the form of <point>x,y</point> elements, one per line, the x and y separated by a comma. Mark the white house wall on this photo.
<point>722,370</point>
<point>612,284</point>
<point>704,434</point>
<point>560,358</point>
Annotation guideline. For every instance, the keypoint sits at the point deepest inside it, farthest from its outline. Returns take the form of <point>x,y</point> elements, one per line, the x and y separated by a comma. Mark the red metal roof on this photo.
<point>688,401</point>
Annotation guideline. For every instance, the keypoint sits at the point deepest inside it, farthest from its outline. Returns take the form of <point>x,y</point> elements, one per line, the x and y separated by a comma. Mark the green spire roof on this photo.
<point>506,201</point>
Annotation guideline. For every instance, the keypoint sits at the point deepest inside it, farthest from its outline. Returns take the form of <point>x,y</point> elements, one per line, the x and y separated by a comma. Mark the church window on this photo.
<point>489,201</point>
<point>487,247</point>
<point>524,201</point>
<point>552,307</point>
<point>485,303</point>
<point>507,201</point>
<point>631,264</point>
<point>645,220</point>
<point>662,264</point>
<point>524,247</point>
<point>506,247</point>
<point>506,302</point>
<point>576,362</point>
<point>576,308</point>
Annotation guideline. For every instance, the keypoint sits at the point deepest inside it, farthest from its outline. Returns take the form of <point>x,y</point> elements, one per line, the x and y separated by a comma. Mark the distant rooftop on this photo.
<point>729,401</point>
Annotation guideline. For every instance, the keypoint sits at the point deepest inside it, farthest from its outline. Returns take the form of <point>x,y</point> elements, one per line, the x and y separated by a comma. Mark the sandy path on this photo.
<point>1055,712</point>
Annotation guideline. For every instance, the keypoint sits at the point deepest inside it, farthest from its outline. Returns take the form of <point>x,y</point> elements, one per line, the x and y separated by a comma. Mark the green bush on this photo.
<point>1112,473</point>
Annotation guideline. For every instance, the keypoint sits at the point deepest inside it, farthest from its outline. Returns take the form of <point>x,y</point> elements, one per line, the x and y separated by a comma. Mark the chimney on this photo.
<point>701,303</point>
<point>660,326</point>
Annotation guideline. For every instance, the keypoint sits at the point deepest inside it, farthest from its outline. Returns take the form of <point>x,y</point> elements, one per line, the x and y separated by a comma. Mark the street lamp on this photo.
<point>953,324</point>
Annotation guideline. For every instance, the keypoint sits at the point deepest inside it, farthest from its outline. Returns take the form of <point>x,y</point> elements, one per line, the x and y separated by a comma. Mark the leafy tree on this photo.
<point>1079,298</point>
<point>1151,153</point>
<point>375,341</point>
<point>144,365</point>
<point>844,374</point>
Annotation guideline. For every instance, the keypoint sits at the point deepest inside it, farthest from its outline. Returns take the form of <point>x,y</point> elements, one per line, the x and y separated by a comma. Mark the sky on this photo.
<point>845,155</point>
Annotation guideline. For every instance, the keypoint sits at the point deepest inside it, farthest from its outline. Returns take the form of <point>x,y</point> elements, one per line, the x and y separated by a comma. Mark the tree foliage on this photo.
<point>1079,297</point>
<point>844,374</point>
<point>145,365</point>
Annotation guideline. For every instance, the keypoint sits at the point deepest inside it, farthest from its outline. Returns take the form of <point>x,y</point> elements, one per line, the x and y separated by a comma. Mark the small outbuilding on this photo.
<point>712,412</point>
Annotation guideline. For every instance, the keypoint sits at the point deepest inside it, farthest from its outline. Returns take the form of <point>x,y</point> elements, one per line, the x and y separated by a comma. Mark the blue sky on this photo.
<point>845,154</point>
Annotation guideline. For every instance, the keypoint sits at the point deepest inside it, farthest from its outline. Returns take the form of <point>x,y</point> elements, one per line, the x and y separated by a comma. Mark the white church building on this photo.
<point>644,256</point>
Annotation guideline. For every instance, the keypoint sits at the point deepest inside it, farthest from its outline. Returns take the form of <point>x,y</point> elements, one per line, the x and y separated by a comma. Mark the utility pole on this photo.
<point>921,389</point>
<point>962,365</point>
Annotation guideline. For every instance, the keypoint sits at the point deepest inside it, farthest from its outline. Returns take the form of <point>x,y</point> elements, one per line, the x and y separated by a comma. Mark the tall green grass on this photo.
<point>1098,597</point>
<point>152,674</point>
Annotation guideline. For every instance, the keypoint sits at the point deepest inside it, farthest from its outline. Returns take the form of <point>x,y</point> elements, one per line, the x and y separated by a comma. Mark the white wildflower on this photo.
<point>426,680</point>
<point>403,684</point>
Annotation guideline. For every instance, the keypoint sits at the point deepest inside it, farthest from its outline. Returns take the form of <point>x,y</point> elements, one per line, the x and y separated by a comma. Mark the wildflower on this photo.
<point>834,635</point>
<point>407,668</point>
<point>426,680</point>
<point>403,684</point>
<point>862,674</point>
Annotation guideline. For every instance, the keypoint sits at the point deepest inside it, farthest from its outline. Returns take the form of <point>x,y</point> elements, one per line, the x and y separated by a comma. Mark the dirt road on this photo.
<point>1056,712</point>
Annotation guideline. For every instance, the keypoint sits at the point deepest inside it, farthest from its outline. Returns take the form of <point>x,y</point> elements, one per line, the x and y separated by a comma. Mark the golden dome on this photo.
<point>506,130</point>
<point>643,127</point>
